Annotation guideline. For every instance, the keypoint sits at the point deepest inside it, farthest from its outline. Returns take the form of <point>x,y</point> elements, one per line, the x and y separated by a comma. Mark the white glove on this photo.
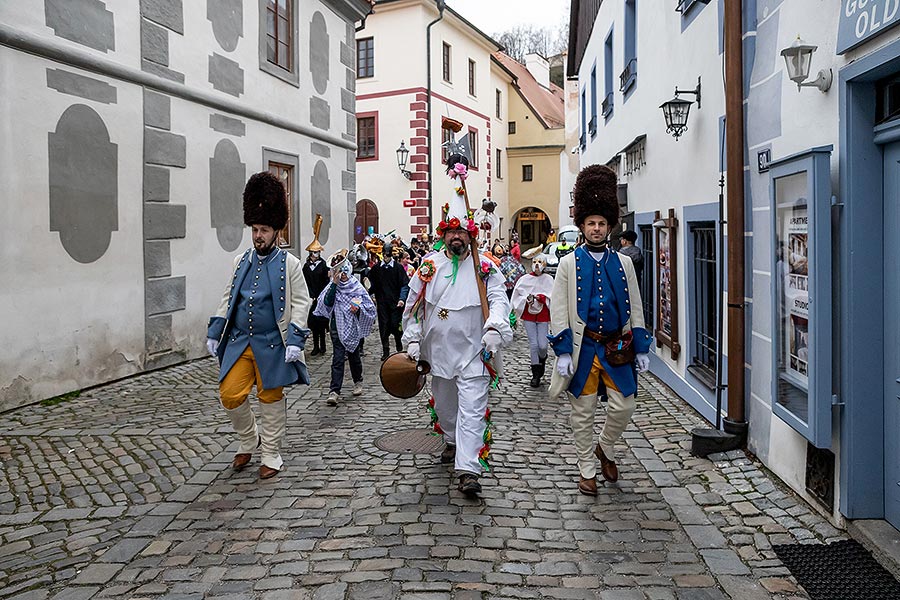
<point>491,340</point>
<point>564,365</point>
<point>212,346</point>
<point>413,351</point>
<point>292,354</point>
<point>643,362</point>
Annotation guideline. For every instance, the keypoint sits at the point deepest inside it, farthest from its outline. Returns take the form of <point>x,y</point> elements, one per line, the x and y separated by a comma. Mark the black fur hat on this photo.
<point>596,194</point>
<point>265,202</point>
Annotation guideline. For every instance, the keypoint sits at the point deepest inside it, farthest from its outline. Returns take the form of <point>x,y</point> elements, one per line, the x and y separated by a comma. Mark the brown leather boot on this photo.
<point>608,467</point>
<point>267,472</point>
<point>448,454</point>
<point>588,487</point>
<point>240,461</point>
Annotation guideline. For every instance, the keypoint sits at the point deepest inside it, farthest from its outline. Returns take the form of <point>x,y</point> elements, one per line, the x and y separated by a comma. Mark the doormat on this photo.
<point>838,571</point>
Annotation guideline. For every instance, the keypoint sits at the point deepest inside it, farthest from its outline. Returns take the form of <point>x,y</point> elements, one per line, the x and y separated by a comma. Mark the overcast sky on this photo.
<point>497,16</point>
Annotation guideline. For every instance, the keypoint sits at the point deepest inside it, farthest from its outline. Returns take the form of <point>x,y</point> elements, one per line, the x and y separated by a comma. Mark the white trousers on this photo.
<point>537,339</point>
<point>618,413</point>
<point>460,404</point>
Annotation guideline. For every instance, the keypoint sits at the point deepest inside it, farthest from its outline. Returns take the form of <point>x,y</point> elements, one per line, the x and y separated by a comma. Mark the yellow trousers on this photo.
<point>236,386</point>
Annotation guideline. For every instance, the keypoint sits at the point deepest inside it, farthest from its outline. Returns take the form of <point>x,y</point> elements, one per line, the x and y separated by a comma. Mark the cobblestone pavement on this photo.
<point>126,492</point>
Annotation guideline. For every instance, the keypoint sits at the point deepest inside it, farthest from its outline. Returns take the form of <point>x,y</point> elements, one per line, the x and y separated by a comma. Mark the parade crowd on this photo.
<point>445,304</point>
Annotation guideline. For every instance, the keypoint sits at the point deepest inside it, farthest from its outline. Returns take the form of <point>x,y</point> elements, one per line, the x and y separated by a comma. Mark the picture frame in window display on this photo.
<point>666,331</point>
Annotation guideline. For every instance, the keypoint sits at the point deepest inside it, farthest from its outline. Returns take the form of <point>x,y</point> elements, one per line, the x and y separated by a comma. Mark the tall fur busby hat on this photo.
<point>265,202</point>
<point>596,194</point>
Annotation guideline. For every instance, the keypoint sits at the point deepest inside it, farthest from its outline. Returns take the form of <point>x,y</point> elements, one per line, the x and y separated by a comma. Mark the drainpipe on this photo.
<point>441,5</point>
<point>735,422</point>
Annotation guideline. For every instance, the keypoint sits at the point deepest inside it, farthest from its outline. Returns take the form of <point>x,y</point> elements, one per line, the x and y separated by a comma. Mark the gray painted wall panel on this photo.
<point>320,150</point>
<point>85,22</point>
<point>157,110</point>
<point>161,71</point>
<point>350,79</point>
<point>226,75</point>
<point>228,125</point>
<point>163,221</point>
<point>154,43</point>
<point>83,179</point>
<point>319,113</point>
<point>319,57</point>
<point>764,103</point>
<point>320,194</point>
<point>768,55</point>
<point>156,184</point>
<point>350,133</point>
<point>158,335</point>
<point>157,259</point>
<point>164,295</point>
<point>348,181</point>
<point>168,13</point>
<point>227,175</point>
<point>227,18</point>
<point>164,148</point>
<point>348,56</point>
<point>74,84</point>
<point>351,161</point>
<point>348,100</point>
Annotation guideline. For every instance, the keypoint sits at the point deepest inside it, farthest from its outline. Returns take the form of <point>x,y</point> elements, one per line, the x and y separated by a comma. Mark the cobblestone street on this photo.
<point>126,492</point>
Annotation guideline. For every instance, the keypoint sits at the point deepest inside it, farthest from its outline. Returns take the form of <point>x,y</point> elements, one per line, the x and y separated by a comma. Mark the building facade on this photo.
<point>440,67</point>
<point>536,128</point>
<point>820,212</point>
<point>129,132</point>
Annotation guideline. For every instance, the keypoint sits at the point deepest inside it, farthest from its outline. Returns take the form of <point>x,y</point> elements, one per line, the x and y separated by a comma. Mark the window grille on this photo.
<point>705,347</point>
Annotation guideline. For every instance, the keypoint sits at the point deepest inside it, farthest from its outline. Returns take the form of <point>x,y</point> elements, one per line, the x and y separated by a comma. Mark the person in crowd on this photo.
<point>259,329</point>
<point>351,314</point>
<point>628,239</point>
<point>389,284</point>
<point>597,328</point>
<point>531,303</point>
<point>315,272</point>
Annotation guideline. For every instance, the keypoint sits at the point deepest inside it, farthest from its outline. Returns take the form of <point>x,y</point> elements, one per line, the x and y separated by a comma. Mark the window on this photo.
<point>583,138</point>
<point>473,147</point>
<point>497,168</point>
<point>445,61</point>
<point>527,172</point>
<point>471,77</point>
<point>647,297</point>
<point>278,30</point>
<point>705,346</point>
<point>446,135</point>
<point>286,174</point>
<point>608,76</point>
<point>511,127</point>
<point>277,39</point>
<point>592,124</point>
<point>628,76</point>
<point>365,57</point>
<point>366,136</point>
<point>497,99</point>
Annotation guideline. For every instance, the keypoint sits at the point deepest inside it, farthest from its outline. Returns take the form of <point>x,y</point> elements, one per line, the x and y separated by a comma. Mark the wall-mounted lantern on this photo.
<point>798,58</point>
<point>677,110</point>
<point>402,157</point>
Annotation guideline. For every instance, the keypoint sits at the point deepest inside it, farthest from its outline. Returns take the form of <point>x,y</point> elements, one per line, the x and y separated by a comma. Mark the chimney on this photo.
<point>539,68</point>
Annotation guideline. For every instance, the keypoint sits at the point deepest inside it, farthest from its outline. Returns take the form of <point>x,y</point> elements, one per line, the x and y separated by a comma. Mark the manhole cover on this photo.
<point>410,441</point>
<point>838,571</point>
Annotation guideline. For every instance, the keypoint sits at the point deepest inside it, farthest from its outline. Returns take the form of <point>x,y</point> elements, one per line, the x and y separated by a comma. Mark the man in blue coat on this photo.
<point>595,315</point>
<point>259,330</point>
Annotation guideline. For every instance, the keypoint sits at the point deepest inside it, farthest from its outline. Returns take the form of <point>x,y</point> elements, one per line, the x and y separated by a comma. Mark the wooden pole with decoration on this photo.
<point>455,126</point>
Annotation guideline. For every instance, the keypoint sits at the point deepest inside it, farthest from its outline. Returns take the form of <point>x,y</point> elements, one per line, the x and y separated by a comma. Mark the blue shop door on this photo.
<point>892,334</point>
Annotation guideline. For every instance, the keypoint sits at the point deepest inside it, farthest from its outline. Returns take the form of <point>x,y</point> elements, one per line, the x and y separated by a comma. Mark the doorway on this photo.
<point>533,226</point>
<point>366,217</point>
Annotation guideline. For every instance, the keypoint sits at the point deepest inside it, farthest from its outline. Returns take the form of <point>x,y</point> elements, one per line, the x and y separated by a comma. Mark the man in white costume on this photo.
<point>444,325</point>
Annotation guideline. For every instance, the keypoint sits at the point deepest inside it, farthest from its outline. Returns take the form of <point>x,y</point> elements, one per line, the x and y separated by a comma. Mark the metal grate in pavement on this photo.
<point>838,571</point>
<point>410,441</point>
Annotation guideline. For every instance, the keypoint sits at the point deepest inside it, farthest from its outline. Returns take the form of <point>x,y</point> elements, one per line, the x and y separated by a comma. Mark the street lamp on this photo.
<point>798,58</point>
<point>677,110</point>
<point>402,156</point>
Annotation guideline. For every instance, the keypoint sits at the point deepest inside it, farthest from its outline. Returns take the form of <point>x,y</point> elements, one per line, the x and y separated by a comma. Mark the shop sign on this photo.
<point>861,20</point>
<point>535,216</point>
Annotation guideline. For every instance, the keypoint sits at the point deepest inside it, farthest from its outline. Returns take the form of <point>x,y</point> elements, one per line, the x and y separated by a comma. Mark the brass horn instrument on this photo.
<point>315,246</point>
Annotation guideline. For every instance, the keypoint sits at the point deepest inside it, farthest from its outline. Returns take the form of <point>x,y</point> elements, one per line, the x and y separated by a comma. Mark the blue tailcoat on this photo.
<point>266,281</point>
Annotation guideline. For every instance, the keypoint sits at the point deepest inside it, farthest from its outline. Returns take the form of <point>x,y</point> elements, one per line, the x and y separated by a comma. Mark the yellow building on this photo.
<point>535,148</point>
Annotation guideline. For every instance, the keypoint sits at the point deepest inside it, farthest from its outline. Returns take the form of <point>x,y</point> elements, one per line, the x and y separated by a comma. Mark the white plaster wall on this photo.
<point>67,324</point>
<point>500,140</point>
<point>680,172</point>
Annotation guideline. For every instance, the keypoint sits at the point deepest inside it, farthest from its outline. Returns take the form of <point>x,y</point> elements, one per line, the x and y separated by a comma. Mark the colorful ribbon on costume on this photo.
<point>488,438</point>
<point>434,418</point>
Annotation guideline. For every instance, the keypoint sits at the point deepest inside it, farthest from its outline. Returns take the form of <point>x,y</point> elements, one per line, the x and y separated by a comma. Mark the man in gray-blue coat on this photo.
<point>259,330</point>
